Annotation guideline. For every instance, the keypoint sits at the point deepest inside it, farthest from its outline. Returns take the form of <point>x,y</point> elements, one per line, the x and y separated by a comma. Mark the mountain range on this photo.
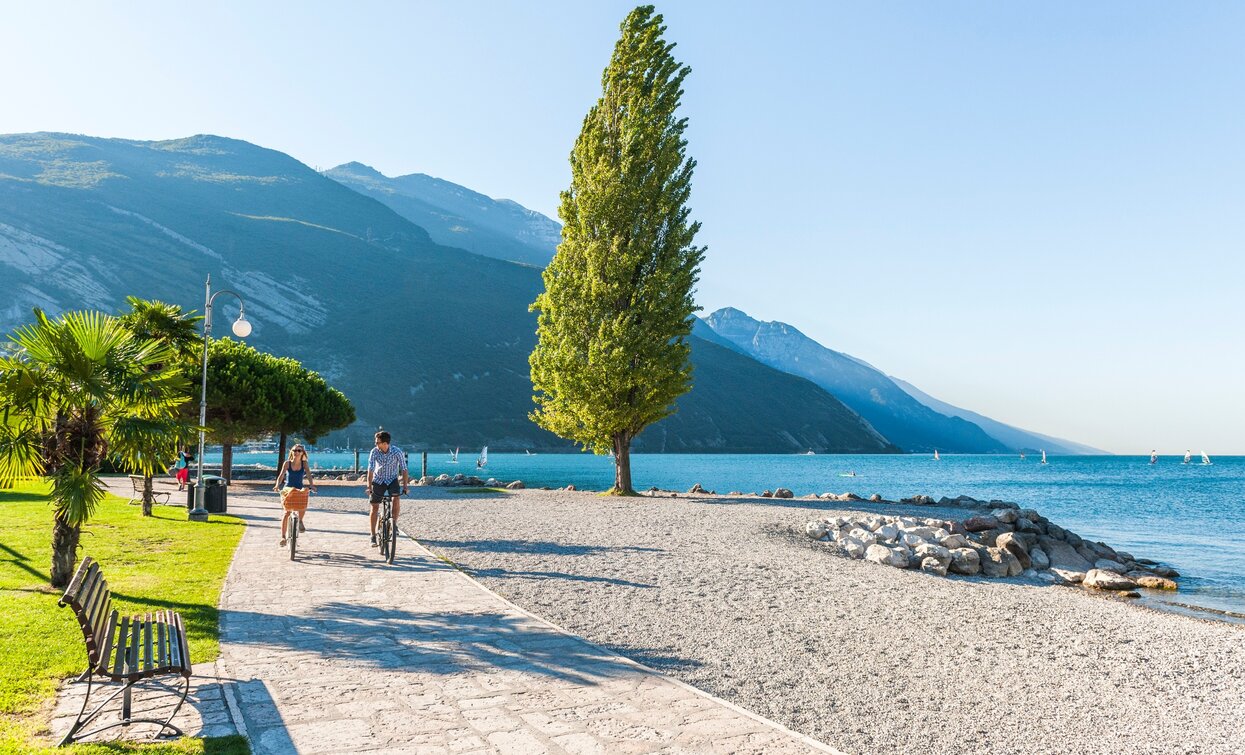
<point>428,340</point>
<point>411,295</point>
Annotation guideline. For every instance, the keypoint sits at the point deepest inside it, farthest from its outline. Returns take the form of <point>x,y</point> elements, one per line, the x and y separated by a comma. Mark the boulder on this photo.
<point>695,489</point>
<point>888,532</point>
<point>987,537</point>
<point>1165,571</point>
<point>934,566</point>
<point>1087,553</point>
<point>1039,559</point>
<point>426,480</point>
<point>912,540</point>
<point>442,479</point>
<point>783,493</point>
<point>1109,565</point>
<point>1071,538</point>
<point>1125,557</point>
<point>459,477</point>
<point>863,535</point>
<point>1068,576</point>
<point>572,487</point>
<point>965,561</point>
<point>954,541</point>
<point>1008,542</point>
<point>980,523</point>
<point>1030,514</point>
<point>1152,582</point>
<point>880,554</point>
<point>925,532</point>
<point>1055,531</point>
<point>1006,516</point>
<point>1103,579</point>
<point>997,562</point>
<point>1027,525</point>
<point>766,494</point>
<point>516,485</point>
<point>875,498</point>
<point>1064,556</point>
<point>492,482</point>
<point>816,530</point>
<point>854,548</point>
<point>956,528</point>
<point>929,550</point>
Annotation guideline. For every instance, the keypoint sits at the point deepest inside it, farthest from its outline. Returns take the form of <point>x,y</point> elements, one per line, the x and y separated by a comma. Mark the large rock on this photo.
<point>888,532</point>
<point>1109,565</point>
<point>1068,576</point>
<point>1008,542</point>
<point>817,530</point>
<point>912,540</point>
<point>965,561</point>
<point>1165,571</point>
<point>996,562</point>
<point>1102,579</point>
<point>1055,531</point>
<point>1039,559</point>
<point>1154,583</point>
<point>1027,525</point>
<point>881,554</point>
<point>929,550</point>
<point>853,547</point>
<point>1006,516</point>
<point>934,566</point>
<point>1064,556</point>
<point>981,523</point>
<point>695,489</point>
<point>987,537</point>
<point>864,536</point>
<point>954,541</point>
<point>783,493</point>
<point>516,485</point>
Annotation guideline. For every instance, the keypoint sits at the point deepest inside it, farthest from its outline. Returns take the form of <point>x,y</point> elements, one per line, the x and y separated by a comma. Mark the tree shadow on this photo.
<point>427,642</point>
<point>536,547</point>
<point>22,561</point>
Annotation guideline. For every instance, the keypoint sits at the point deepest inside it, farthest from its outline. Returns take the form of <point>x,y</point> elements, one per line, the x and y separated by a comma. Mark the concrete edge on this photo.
<point>804,738</point>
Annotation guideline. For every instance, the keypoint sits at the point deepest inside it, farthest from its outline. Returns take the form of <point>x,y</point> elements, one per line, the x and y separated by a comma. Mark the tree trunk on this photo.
<point>64,551</point>
<point>622,465</point>
<point>226,461</point>
<point>281,450</point>
<point>148,495</point>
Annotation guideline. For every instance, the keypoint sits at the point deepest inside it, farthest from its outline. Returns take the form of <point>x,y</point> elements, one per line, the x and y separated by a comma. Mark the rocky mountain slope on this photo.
<point>898,416</point>
<point>428,340</point>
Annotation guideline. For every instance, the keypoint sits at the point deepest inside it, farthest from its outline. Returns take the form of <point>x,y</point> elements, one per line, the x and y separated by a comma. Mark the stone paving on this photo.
<point>338,652</point>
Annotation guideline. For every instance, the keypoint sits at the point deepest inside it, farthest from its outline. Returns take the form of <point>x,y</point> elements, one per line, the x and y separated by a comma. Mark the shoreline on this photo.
<point>731,596</point>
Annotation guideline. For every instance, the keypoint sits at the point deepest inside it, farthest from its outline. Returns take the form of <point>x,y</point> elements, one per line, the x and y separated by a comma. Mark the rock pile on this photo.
<point>1007,542</point>
<point>462,481</point>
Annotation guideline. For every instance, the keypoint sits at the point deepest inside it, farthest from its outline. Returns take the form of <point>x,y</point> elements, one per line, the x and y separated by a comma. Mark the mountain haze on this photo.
<point>427,340</point>
<point>898,416</point>
<point>456,216</point>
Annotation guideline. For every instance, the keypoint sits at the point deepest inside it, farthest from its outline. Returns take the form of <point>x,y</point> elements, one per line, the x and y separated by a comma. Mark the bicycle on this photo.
<point>293,536</point>
<point>388,529</point>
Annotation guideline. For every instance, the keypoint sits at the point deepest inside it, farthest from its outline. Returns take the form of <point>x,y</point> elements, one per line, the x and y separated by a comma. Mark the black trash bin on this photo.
<point>215,494</point>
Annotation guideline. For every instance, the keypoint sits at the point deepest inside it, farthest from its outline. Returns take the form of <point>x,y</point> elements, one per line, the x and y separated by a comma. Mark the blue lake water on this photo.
<point>1187,515</point>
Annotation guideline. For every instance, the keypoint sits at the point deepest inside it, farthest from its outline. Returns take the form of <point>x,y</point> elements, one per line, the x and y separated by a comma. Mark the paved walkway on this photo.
<point>338,652</point>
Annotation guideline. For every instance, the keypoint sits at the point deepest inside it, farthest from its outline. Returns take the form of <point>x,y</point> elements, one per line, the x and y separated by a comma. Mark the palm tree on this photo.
<point>76,391</point>
<point>178,329</point>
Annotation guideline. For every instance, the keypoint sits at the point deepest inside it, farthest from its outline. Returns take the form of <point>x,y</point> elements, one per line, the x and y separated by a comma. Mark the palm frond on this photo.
<point>76,493</point>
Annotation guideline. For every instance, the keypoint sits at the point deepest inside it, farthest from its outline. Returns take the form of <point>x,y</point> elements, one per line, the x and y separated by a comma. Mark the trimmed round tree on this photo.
<point>612,353</point>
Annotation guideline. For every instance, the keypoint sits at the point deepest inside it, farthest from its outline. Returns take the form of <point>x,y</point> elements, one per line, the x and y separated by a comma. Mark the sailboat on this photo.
<point>1022,455</point>
<point>1043,456</point>
<point>1154,457</point>
<point>454,456</point>
<point>528,451</point>
<point>936,455</point>
<point>1187,457</point>
<point>1205,458</point>
<point>482,460</point>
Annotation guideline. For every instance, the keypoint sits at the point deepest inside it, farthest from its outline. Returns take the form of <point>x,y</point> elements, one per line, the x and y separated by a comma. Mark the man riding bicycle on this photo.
<point>385,464</point>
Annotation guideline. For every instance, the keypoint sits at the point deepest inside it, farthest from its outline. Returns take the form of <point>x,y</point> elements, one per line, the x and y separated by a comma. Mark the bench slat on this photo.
<point>135,648</point>
<point>88,591</point>
<point>85,569</point>
<point>100,661</point>
<point>147,644</point>
<point>162,647</point>
<point>183,660</point>
<point>123,636</point>
<point>99,625</point>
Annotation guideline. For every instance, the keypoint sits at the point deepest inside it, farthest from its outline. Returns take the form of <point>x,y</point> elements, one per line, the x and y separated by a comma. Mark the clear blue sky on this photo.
<point>1032,209</point>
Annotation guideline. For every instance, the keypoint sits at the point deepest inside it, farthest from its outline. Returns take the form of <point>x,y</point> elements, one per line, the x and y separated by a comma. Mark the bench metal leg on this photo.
<point>166,726</point>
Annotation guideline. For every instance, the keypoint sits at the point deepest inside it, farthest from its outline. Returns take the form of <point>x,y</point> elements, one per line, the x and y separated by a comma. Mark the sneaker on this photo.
<point>375,542</point>
<point>301,527</point>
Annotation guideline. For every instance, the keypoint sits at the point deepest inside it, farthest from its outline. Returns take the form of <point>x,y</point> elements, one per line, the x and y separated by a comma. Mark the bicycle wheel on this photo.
<point>393,542</point>
<point>293,536</point>
<point>384,532</point>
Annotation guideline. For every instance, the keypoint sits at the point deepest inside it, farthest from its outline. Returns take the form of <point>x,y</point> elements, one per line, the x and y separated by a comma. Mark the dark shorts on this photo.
<point>380,488</point>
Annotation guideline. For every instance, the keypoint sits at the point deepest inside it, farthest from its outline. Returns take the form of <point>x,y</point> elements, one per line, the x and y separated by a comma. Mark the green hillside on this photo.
<point>429,341</point>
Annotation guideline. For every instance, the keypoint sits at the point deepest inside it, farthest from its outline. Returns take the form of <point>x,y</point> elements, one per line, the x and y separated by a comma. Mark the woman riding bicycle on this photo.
<point>296,472</point>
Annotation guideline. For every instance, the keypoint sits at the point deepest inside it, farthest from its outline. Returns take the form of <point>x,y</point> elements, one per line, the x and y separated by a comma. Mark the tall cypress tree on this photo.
<point>612,353</point>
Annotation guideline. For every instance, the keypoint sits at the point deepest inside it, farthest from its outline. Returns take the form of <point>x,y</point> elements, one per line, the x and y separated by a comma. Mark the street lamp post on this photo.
<point>241,329</point>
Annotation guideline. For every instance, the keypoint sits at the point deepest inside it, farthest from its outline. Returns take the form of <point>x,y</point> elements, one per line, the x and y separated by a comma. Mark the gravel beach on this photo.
<point>728,595</point>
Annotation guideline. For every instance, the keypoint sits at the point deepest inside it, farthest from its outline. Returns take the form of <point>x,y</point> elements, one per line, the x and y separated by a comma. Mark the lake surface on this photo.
<point>1187,515</point>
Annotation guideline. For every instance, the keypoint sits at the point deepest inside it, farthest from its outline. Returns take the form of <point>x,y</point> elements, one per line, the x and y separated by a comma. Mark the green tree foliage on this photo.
<point>76,391</point>
<point>251,394</point>
<point>612,353</point>
<point>171,325</point>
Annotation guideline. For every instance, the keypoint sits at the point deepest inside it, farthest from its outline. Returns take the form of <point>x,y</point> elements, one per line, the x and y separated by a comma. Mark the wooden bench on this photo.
<point>136,482</point>
<point>124,649</point>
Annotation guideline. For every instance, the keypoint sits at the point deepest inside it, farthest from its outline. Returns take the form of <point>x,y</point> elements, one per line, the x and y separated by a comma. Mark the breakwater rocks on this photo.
<point>1006,542</point>
<point>467,481</point>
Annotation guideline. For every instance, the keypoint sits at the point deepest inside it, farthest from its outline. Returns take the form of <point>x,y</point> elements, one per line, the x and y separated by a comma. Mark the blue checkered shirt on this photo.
<point>386,467</point>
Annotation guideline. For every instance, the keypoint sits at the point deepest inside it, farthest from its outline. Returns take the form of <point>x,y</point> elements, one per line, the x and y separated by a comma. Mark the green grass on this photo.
<point>159,562</point>
<point>479,490</point>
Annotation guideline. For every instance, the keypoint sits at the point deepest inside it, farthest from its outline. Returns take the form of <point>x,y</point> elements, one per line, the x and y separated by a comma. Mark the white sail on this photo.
<point>483,460</point>
<point>454,456</point>
<point>1043,456</point>
<point>1154,457</point>
<point>1187,457</point>
<point>1205,458</point>
<point>936,455</point>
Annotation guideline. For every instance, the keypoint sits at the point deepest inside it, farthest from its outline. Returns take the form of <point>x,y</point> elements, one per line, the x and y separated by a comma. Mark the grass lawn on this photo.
<point>159,562</point>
